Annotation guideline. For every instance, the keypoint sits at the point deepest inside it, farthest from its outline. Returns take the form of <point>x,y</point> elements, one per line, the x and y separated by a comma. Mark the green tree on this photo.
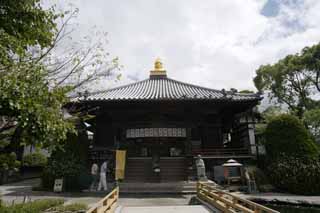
<point>286,136</point>
<point>24,24</point>
<point>310,58</point>
<point>287,82</point>
<point>312,120</point>
<point>35,78</point>
<point>271,112</point>
<point>33,108</point>
<point>27,103</point>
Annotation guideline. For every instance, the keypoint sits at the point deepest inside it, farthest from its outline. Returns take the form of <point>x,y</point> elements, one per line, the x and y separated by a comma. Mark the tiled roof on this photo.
<point>165,89</point>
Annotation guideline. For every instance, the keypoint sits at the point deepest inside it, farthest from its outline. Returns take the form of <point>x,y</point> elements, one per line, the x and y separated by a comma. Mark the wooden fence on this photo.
<point>227,202</point>
<point>106,204</point>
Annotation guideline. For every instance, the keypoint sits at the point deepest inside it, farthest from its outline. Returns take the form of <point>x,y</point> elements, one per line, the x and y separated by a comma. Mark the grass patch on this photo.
<point>36,206</point>
<point>75,207</point>
<point>43,205</point>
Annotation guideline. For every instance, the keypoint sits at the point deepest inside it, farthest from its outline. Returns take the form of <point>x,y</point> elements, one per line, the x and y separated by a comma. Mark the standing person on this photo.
<point>95,178</point>
<point>103,177</point>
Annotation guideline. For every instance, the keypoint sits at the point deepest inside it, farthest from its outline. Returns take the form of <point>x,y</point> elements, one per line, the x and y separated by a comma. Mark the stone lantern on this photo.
<point>233,171</point>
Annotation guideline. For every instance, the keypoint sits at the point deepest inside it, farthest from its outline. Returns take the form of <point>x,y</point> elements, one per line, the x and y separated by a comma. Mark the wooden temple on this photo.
<point>173,122</point>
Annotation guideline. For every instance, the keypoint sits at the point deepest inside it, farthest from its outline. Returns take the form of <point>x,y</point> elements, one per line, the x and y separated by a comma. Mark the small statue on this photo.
<point>95,177</point>
<point>201,169</point>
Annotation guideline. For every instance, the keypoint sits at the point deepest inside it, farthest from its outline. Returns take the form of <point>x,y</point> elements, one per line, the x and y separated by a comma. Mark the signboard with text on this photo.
<point>156,132</point>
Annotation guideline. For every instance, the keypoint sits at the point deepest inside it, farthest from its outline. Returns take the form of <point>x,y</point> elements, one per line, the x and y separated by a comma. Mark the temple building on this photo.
<point>164,124</point>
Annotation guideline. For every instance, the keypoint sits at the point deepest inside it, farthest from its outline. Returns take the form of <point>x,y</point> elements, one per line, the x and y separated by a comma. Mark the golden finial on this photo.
<point>158,65</point>
<point>158,69</point>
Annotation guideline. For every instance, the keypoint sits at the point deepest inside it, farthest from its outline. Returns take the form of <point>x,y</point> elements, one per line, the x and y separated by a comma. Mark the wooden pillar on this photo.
<point>187,144</point>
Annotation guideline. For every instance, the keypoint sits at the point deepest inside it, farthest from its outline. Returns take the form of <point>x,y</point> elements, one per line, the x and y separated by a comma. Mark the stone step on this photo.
<point>162,187</point>
<point>161,209</point>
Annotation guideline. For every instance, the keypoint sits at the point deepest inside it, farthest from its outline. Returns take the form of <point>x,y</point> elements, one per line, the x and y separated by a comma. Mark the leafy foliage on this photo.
<point>296,175</point>
<point>293,80</point>
<point>35,77</point>
<point>35,159</point>
<point>69,163</point>
<point>24,24</point>
<point>310,58</point>
<point>28,106</point>
<point>36,108</point>
<point>312,119</point>
<point>286,135</point>
<point>267,115</point>
<point>287,83</point>
<point>9,161</point>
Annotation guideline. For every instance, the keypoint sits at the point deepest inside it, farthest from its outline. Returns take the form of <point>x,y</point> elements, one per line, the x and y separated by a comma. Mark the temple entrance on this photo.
<point>158,159</point>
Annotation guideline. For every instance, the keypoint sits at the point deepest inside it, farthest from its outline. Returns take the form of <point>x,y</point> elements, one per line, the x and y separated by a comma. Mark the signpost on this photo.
<point>58,184</point>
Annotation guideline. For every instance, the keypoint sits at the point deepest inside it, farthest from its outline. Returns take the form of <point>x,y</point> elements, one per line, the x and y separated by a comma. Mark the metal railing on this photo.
<point>107,204</point>
<point>221,152</point>
<point>227,202</point>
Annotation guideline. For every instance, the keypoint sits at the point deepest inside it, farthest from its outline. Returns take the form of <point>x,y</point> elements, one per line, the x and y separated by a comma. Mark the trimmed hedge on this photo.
<point>296,175</point>
<point>286,135</point>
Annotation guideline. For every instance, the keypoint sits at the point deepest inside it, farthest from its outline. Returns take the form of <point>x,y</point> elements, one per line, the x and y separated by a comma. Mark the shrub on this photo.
<point>286,135</point>
<point>9,161</point>
<point>69,162</point>
<point>296,175</point>
<point>63,165</point>
<point>34,159</point>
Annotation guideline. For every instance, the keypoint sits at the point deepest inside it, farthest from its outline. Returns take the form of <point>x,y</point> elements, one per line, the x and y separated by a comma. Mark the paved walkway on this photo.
<point>163,209</point>
<point>16,192</point>
<point>154,200</point>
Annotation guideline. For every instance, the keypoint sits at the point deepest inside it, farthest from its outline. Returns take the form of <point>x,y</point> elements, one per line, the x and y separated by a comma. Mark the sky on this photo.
<point>217,44</point>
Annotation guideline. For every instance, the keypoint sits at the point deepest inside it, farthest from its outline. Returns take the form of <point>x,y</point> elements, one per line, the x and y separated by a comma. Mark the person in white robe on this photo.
<point>103,177</point>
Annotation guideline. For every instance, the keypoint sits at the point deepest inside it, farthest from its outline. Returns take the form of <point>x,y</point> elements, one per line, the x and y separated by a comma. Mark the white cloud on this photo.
<point>217,44</point>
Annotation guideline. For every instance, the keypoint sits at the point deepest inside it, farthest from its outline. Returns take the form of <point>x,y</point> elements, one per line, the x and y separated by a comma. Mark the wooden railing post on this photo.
<point>106,204</point>
<point>198,187</point>
<point>227,202</point>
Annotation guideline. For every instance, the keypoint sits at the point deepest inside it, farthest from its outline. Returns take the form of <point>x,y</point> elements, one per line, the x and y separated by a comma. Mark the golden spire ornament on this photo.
<point>158,69</point>
<point>158,65</point>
